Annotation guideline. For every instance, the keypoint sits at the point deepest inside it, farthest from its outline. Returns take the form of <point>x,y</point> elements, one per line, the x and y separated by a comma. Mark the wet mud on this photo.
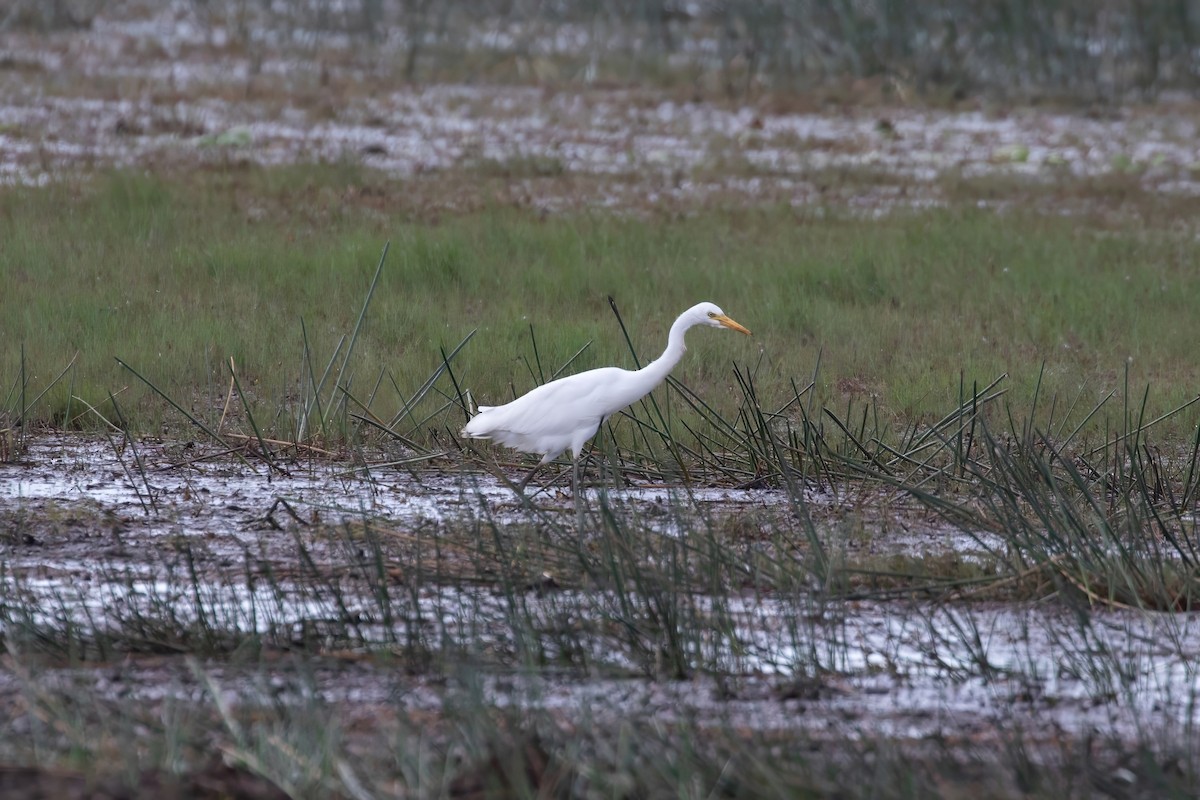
<point>168,86</point>
<point>80,540</point>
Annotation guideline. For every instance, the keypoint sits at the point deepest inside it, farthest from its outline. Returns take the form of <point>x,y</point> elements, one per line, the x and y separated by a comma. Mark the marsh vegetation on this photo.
<point>933,528</point>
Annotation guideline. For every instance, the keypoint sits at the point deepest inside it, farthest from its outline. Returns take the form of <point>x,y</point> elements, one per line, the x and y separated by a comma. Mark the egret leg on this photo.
<point>575,495</point>
<point>525,481</point>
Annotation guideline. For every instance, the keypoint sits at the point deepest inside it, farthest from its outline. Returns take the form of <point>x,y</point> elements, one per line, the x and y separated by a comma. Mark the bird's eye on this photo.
<point>712,314</point>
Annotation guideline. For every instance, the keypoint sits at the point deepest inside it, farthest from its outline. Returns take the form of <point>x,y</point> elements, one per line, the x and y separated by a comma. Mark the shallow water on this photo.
<point>185,492</point>
<point>94,556</point>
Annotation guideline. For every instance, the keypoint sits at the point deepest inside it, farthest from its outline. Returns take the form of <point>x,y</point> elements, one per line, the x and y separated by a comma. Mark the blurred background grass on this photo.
<point>1070,50</point>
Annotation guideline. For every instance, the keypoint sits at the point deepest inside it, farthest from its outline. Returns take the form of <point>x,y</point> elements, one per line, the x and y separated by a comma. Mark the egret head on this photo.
<point>710,314</point>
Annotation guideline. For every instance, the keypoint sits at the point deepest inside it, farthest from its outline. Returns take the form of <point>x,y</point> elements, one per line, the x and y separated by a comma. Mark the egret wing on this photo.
<point>552,417</point>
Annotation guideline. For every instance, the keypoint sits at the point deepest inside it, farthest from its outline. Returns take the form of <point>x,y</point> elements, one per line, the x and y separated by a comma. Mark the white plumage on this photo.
<point>563,414</point>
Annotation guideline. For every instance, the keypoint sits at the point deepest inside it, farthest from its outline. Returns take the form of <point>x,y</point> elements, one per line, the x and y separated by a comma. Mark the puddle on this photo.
<point>231,506</point>
<point>188,491</point>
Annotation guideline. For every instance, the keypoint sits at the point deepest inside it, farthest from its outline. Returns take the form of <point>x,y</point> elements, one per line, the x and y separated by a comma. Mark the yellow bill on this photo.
<point>732,325</point>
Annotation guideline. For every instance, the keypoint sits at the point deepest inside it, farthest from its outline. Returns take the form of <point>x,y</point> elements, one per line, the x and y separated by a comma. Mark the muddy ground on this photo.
<point>194,540</point>
<point>183,85</point>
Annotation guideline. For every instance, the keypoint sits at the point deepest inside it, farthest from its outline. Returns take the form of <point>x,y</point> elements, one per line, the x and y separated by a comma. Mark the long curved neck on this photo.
<point>658,369</point>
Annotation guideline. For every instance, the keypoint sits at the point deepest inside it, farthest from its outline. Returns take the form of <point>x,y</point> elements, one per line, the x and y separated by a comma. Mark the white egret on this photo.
<point>565,413</point>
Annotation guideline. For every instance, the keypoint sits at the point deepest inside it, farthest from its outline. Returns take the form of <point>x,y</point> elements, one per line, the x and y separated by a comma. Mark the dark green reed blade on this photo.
<point>191,418</point>
<point>49,386</point>
<point>362,314</point>
<point>454,382</point>
<point>571,360</point>
<point>137,459</point>
<point>266,451</point>
<point>664,430</point>
<point>411,404</point>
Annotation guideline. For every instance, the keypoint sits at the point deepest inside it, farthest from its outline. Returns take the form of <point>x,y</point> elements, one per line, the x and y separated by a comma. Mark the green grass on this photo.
<point>175,276</point>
